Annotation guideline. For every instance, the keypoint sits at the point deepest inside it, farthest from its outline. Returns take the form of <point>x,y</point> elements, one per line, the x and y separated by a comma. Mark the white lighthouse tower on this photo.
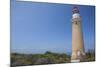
<point>78,53</point>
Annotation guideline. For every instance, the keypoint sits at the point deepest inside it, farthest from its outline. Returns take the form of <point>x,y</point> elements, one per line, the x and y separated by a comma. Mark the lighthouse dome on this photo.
<point>76,15</point>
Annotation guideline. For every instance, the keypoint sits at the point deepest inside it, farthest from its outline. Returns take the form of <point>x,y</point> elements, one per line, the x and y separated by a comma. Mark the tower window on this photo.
<point>75,22</point>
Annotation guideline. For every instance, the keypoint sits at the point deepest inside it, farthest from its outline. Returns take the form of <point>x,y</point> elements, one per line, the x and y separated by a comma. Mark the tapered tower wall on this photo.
<point>78,52</point>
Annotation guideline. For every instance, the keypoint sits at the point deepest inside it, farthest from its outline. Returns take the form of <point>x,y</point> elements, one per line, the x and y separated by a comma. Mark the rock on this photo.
<point>43,61</point>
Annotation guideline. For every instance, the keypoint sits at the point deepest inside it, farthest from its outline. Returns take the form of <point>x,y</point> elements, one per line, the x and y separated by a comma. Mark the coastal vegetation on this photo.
<point>48,57</point>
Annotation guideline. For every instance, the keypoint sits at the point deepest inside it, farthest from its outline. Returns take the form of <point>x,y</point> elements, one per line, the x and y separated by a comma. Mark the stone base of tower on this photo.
<point>78,60</point>
<point>75,61</point>
<point>78,57</point>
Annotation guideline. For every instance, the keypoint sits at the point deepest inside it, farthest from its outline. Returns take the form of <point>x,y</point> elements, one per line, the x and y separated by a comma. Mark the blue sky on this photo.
<point>40,27</point>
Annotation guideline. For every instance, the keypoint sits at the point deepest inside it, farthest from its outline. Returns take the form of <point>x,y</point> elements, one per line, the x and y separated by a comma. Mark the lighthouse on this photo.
<point>78,53</point>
